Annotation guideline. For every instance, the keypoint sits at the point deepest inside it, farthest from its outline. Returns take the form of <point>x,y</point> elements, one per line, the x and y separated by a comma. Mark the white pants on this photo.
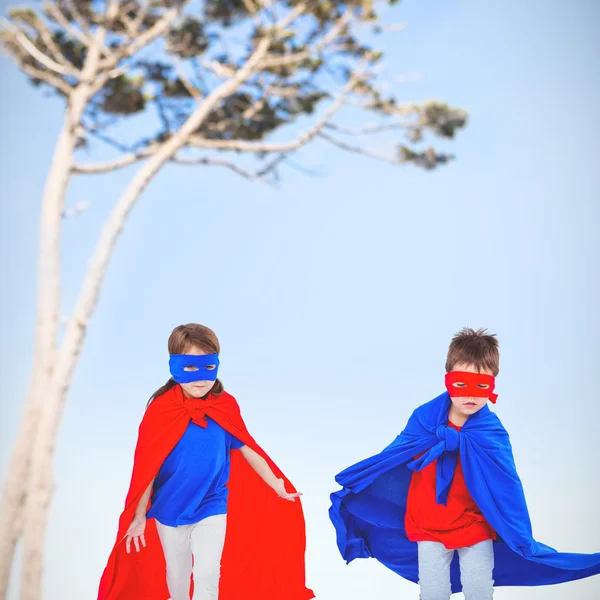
<point>204,542</point>
<point>476,570</point>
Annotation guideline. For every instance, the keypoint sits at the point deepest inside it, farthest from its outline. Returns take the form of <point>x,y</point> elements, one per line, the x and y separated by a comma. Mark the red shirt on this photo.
<point>458,524</point>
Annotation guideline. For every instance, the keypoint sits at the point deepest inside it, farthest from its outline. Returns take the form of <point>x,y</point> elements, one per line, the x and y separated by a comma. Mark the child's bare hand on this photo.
<point>136,533</point>
<point>282,493</point>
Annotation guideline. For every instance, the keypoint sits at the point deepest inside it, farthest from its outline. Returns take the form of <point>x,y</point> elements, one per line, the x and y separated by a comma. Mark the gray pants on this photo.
<point>476,570</point>
<point>204,541</point>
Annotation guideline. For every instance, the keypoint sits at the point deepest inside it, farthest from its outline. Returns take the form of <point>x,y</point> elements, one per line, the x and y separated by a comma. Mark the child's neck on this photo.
<point>456,418</point>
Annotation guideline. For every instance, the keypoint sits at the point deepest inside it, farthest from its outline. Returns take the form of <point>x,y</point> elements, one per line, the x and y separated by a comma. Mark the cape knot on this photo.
<point>197,414</point>
<point>448,435</point>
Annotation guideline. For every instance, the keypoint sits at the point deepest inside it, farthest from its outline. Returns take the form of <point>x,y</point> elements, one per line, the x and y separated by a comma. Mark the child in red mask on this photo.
<point>443,505</point>
<point>438,529</point>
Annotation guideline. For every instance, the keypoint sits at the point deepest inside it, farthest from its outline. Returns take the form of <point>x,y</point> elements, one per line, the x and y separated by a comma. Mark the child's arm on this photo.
<point>142,507</point>
<point>136,530</point>
<point>260,465</point>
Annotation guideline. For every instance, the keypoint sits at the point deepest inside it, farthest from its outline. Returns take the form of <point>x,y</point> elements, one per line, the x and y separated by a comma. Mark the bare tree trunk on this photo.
<point>41,487</point>
<point>15,487</point>
<point>18,481</point>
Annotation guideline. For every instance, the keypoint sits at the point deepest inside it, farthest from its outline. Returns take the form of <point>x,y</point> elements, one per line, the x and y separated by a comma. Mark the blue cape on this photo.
<point>368,513</point>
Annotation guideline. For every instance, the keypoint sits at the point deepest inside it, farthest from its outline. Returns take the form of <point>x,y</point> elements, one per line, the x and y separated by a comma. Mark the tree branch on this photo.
<point>111,165</point>
<point>290,91</point>
<point>49,78</point>
<point>139,19</point>
<point>219,69</point>
<point>145,38</point>
<point>60,18</point>
<point>260,147</point>
<point>193,91</point>
<point>36,54</point>
<point>111,10</point>
<point>304,54</point>
<point>162,115</point>
<point>252,11</point>
<point>218,162</point>
<point>110,63</point>
<point>273,164</point>
<point>129,159</point>
<point>95,131</point>
<point>291,17</point>
<point>225,71</point>
<point>366,130</point>
<point>357,149</point>
<point>252,110</point>
<point>77,17</point>
<point>44,32</point>
<point>85,36</point>
<point>179,139</point>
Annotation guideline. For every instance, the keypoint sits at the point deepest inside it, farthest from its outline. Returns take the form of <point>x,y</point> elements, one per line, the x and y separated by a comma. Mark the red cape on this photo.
<point>263,558</point>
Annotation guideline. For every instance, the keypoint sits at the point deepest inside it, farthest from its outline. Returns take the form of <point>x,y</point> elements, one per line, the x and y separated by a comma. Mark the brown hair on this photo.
<point>182,339</point>
<point>478,348</point>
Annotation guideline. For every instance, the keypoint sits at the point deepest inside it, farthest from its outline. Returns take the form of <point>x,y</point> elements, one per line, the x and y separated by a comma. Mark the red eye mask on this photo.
<point>470,385</point>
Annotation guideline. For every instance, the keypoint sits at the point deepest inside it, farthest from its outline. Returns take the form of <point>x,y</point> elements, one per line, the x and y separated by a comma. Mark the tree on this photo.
<point>213,82</point>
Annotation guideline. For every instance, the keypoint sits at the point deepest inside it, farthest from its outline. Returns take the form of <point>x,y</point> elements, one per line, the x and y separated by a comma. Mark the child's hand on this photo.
<point>282,493</point>
<point>136,533</point>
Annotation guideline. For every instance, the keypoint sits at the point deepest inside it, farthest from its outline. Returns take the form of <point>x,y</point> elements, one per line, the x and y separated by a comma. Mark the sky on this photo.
<point>335,296</point>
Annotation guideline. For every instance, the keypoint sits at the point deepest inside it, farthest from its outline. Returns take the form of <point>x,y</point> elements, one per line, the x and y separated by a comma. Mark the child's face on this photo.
<point>196,389</point>
<point>468,405</point>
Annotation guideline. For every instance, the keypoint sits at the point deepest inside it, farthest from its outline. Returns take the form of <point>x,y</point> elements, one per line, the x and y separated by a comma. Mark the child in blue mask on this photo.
<point>204,514</point>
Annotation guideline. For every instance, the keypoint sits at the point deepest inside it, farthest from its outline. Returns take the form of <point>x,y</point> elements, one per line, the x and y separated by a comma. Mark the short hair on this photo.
<point>474,347</point>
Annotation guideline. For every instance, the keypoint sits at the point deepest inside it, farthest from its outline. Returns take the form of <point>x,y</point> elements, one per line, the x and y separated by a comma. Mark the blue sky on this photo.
<point>335,296</point>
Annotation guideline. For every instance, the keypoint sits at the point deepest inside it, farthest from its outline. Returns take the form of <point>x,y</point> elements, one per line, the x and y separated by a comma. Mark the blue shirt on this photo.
<point>192,482</point>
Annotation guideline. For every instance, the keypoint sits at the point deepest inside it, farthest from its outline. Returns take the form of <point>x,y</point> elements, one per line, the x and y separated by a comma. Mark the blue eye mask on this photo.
<point>186,368</point>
